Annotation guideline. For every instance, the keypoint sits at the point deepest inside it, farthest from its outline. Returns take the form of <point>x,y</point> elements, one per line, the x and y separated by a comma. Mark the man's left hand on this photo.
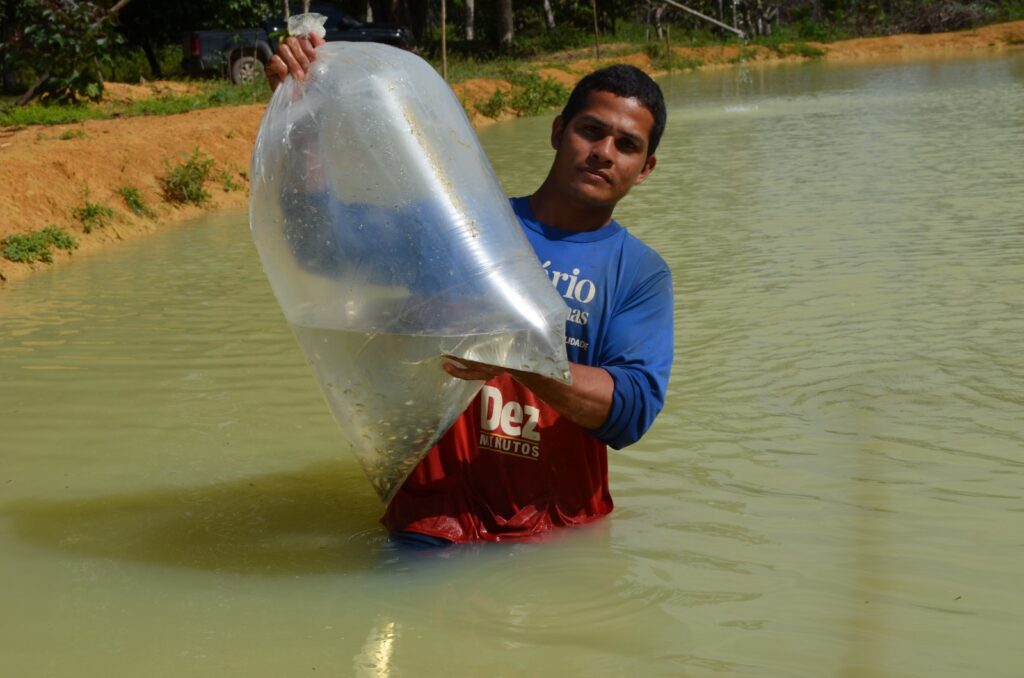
<point>586,401</point>
<point>460,368</point>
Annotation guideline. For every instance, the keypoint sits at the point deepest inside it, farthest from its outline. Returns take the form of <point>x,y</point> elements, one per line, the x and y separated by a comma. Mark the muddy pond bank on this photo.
<point>77,176</point>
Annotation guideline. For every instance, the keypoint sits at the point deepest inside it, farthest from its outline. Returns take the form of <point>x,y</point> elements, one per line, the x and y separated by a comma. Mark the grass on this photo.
<point>133,199</point>
<point>820,32</point>
<point>467,68</point>
<point>130,64</point>
<point>92,215</point>
<point>212,94</point>
<point>184,183</point>
<point>800,49</point>
<point>72,134</point>
<point>790,40</point>
<point>227,181</point>
<point>747,53</point>
<point>28,248</point>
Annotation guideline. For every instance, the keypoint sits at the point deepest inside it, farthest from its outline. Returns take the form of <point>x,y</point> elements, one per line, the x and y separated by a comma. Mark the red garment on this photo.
<point>510,468</point>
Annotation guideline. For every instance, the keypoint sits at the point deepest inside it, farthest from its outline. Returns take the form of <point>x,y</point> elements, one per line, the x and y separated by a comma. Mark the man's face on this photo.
<point>602,151</point>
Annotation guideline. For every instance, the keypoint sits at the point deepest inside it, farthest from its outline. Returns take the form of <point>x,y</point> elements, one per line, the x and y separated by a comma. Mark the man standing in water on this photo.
<point>530,453</point>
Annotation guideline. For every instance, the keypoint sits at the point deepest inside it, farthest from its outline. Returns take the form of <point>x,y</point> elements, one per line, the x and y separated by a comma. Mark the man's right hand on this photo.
<point>293,57</point>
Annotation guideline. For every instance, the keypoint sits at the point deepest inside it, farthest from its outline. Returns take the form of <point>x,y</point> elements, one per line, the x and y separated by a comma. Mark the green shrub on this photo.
<point>93,215</point>
<point>133,199</point>
<point>70,42</point>
<point>535,94</point>
<point>800,49</point>
<point>531,94</point>
<point>227,180</point>
<point>37,245</point>
<point>664,59</point>
<point>60,238</point>
<point>494,106</point>
<point>184,183</point>
<point>465,68</point>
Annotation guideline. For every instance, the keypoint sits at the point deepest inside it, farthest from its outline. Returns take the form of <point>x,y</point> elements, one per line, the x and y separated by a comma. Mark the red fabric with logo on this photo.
<point>510,468</point>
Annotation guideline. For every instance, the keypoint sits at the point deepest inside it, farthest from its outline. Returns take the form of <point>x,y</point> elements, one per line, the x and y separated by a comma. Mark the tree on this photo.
<point>505,24</point>
<point>470,11</point>
<point>150,24</point>
<point>69,43</point>
<point>549,15</point>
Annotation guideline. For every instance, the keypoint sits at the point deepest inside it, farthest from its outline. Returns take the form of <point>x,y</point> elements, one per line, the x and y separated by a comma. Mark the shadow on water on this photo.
<point>320,519</point>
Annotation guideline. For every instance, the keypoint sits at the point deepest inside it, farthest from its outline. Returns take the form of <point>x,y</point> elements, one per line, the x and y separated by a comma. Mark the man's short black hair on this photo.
<point>624,81</point>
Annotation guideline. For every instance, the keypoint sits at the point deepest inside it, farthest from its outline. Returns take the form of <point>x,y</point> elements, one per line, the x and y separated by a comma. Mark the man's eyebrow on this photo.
<point>635,138</point>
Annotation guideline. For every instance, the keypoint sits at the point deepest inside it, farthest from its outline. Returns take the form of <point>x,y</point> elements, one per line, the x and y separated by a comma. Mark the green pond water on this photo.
<point>835,488</point>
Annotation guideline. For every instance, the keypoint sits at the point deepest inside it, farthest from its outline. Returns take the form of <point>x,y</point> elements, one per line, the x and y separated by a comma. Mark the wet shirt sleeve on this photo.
<point>637,351</point>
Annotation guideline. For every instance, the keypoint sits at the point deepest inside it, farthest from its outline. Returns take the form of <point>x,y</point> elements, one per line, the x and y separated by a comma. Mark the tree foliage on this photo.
<point>164,22</point>
<point>72,41</point>
<point>67,43</point>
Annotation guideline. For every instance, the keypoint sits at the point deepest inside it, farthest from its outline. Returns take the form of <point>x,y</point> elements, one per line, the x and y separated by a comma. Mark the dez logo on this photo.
<point>508,427</point>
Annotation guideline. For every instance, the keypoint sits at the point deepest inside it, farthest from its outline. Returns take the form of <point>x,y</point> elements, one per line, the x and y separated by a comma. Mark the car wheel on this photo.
<point>246,69</point>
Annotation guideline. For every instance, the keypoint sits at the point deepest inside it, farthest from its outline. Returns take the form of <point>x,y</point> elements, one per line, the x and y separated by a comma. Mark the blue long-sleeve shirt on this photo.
<point>619,292</point>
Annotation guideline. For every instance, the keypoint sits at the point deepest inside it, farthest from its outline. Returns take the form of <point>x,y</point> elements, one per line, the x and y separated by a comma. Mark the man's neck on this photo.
<point>552,208</point>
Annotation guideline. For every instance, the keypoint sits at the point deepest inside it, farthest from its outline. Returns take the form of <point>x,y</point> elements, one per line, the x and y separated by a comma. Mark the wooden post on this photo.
<point>444,41</point>
<point>597,40</point>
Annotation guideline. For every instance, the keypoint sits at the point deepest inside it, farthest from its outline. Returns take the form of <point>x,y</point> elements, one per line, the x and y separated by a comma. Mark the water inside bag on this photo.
<point>389,243</point>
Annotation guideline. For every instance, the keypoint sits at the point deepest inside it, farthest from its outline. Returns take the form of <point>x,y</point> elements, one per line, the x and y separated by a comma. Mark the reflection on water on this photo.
<point>375,659</point>
<point>835,487</point>
<point>273,524</point>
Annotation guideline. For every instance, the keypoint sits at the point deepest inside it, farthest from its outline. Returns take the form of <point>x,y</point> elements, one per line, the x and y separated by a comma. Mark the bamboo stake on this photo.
<point>707,18</point>
<point>444,41</point>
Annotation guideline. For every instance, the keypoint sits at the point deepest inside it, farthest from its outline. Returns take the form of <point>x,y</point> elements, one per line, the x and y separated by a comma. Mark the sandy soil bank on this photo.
<point>47,172</point>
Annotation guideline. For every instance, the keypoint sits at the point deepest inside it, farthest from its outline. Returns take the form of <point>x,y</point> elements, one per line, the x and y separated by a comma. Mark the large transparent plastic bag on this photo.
<point>389,244</point>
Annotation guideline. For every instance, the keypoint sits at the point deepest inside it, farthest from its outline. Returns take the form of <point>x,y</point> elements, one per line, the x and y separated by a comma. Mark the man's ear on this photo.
<point>646,171</point>
<point>557,129</point>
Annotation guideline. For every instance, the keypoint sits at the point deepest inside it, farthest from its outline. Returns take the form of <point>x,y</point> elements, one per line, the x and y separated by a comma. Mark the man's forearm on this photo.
<point>587,401</point>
